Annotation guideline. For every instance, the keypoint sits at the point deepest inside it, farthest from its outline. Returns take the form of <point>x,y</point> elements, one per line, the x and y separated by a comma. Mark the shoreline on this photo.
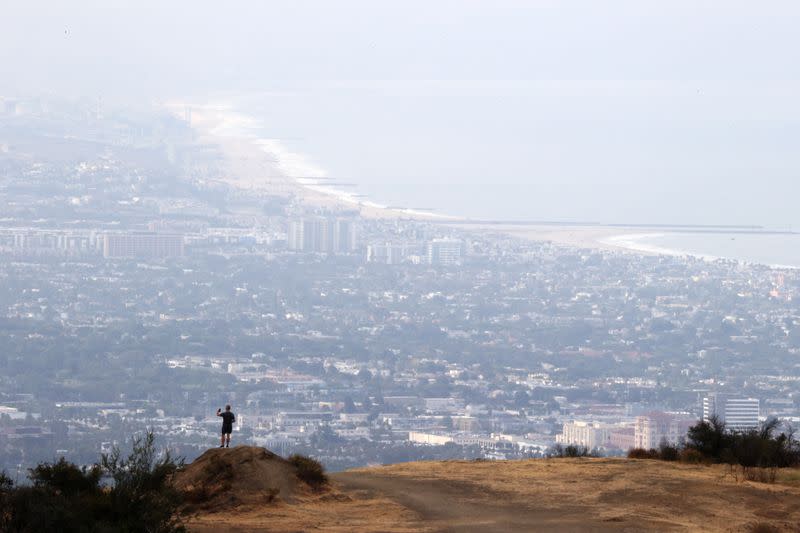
<point>258,163</point>
<point>261,164</point>
<point>266,165</point>
<point>632,242</point>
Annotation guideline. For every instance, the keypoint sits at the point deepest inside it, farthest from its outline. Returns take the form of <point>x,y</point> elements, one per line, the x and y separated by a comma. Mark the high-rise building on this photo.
<point>295,235</point>
<point>317,235</point>
<point>143,245</point>
<point>654,428</point>
<point>739,414</point>
<point>307,234</point>
<point>445,251</point>
<point>344,235</point>
<point>322,235</point>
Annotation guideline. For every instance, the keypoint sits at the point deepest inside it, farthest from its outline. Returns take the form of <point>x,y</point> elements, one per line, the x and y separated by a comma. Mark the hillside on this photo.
<point>261,493</point>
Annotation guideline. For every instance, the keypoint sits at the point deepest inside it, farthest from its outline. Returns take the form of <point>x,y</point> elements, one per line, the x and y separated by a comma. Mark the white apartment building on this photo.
<point>445,251</point>
<point>387,253</point>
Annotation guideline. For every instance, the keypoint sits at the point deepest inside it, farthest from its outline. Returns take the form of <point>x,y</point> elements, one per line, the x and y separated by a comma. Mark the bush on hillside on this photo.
<point>570,450</point>
<point>141,490</point>
<point>6,487</point>
<point>66,498</point>
<point>710,438</point>
<point>66,478</point>
<point>61,497</point>
<point>309,470</point>
<point>753,455</point>
<point>756,448</point>
<point>668,452</point>
<point>641,453</point>
<point>576,451</point>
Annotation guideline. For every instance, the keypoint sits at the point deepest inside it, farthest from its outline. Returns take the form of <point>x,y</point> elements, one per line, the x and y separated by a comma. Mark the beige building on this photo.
<point>623,438</point>
<point>654,428</point>
<point>597,435</point>
<point>589,434</point>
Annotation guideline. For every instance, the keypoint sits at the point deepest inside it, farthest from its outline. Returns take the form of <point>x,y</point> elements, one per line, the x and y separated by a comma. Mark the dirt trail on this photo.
<point>464,507</point>
<point>532,495</point>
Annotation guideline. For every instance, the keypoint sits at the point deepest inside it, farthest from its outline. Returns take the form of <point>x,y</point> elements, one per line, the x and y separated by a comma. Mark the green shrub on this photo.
<point>65,478</point>
<point>141,491</point>
<point>571,450</point>
<point>65,498</point>
<point>6,487</point>
<point>6,483</point>
<point>641,453</point>
<point>576,451</point>
<point>709,437</point>
<point>62,497</point>
<point>309,470</point>
<point>557,450</point>
<point>668,452</point>
<point>760,448</point>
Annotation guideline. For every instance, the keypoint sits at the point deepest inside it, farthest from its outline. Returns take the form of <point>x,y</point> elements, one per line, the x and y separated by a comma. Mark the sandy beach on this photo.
<point>269,167</point>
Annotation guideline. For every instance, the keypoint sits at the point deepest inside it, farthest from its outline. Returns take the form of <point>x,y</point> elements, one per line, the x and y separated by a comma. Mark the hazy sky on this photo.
<point>613,111</point>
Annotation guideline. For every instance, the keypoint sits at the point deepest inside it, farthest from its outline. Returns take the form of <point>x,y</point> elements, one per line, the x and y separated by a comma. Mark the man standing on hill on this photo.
<point>228,418</point>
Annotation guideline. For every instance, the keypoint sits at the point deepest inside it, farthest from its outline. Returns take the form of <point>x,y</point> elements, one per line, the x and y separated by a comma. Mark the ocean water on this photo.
<point>522,152</point>
<point>771,249</point>
<point>532,152</point>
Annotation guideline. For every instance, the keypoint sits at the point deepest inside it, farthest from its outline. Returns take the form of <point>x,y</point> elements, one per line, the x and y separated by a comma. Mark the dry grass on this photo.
<point>656,495</point>
<point>788,476</point>
<point>543,495</point>
<point>335,513</point>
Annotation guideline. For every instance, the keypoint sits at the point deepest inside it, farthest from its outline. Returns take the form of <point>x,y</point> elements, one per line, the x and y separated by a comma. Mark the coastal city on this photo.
<point>140,291</point>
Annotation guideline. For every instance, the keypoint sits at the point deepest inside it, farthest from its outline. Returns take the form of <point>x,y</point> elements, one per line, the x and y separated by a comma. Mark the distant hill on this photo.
<point>251,489</point>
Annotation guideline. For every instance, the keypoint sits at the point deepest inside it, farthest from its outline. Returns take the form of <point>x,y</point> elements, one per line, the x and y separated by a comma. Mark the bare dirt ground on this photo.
<point>536,495</point>
<point>457,506</point>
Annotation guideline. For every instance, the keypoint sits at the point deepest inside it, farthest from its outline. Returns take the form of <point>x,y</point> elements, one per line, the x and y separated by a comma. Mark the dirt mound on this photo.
<point>225,477</point>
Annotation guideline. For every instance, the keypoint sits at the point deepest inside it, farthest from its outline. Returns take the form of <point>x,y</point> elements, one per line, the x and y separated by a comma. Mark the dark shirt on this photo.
<point>228,418</point>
